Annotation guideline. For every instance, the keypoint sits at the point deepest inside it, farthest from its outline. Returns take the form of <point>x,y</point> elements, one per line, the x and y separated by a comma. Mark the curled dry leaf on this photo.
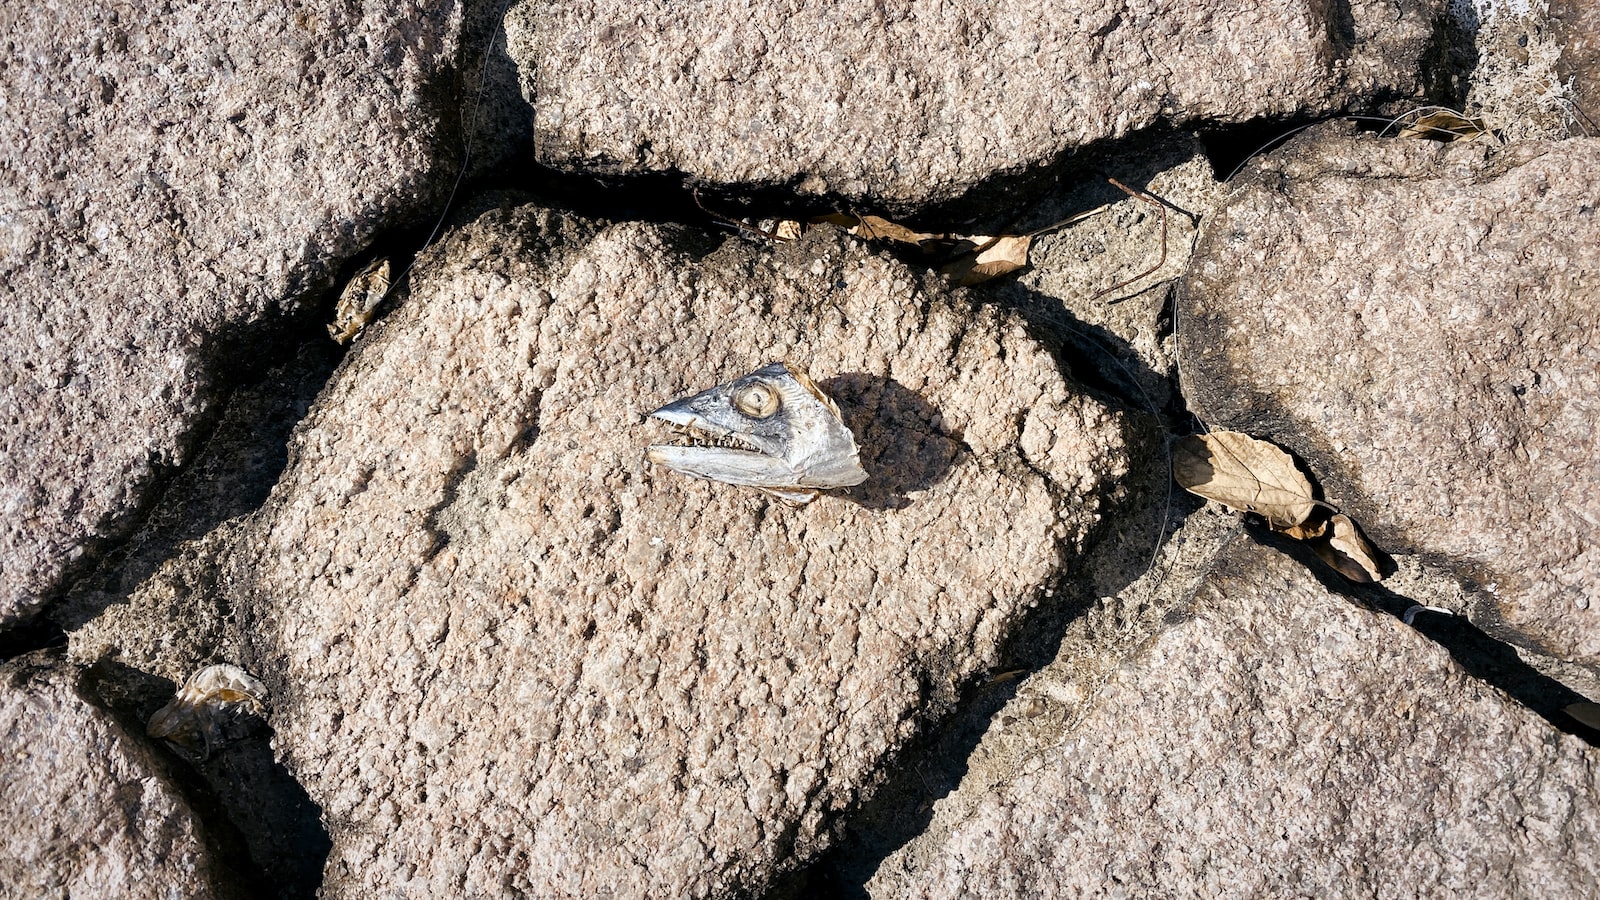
<point>877,228</point>
<point>1585,712</point>
<point>995,256</point>
<point>1445,125</point>
<point>1348,552</point>
<point>1244,473</point>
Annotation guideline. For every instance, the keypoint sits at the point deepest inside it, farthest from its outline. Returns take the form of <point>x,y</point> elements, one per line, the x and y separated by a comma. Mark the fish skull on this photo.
<point>772,429</point>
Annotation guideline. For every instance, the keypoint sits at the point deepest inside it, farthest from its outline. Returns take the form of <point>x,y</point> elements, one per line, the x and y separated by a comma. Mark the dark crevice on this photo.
<point>37,633</point>
<point>232,468</point>
<point>1229,147</point>
<point>1008,202</point>
<point>1491,661</point>
<point>235,358</point>
<point>257,819</point>
<point>934,764</point>
<point>1341,25</point>
<point>1451,57</point>
<point>106,686</point>
<point>1096,359</point>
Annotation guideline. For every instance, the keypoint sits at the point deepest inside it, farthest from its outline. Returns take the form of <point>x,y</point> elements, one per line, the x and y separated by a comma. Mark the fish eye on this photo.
<point>757,400</point>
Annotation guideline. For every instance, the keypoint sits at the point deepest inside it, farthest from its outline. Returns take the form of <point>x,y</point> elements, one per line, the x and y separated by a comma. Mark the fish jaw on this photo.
<point>773,429</point>
<point>743,467</point>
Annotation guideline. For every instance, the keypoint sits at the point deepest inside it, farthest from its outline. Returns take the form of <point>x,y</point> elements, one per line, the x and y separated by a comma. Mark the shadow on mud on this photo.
<point>905,446</point>
<point>260,822</point>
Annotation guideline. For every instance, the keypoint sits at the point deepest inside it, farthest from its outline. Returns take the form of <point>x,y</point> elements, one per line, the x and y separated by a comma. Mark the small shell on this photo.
<point>358,303</point>
<point>193,720</point>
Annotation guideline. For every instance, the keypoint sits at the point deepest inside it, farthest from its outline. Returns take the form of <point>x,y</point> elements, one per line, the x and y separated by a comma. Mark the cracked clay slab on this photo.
<point>509,655</point>
<point>1437,361</point>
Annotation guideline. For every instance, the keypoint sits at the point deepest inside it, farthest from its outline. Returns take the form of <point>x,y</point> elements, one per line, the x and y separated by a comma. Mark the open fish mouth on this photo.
<point>772,429</point>
<point>692,435</point>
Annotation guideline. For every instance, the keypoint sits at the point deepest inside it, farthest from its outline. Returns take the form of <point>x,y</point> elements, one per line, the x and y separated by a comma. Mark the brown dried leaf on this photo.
<point>1244,473</point>
<point>877,228</point>
<point>1445,125</point>
<point>1348,552</point>
<point>995,257</point>
<point>1585,712</point>
<point>788,230</point>
<point>1306,531</point>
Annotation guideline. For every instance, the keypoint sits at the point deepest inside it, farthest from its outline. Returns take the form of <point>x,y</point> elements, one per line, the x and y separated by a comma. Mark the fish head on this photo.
<point>772,429</point>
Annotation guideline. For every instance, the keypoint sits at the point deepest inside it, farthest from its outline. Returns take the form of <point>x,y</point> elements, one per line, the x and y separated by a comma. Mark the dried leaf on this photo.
<point>1445,125</point>
<point>996,257</point>
<point>1244,473</point>
<point>1585,712</point>
<point>1306,531</point>
<point>788,230</point>
<point>1348,552</point>
<point>877,228</point>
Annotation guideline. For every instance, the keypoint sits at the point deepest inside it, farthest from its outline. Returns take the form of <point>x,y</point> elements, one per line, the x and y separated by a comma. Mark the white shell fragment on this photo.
<point>193,720</point>
<point>772,429</point>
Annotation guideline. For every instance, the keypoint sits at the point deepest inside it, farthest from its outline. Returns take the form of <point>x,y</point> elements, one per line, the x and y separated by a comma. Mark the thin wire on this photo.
<point>466,151</point>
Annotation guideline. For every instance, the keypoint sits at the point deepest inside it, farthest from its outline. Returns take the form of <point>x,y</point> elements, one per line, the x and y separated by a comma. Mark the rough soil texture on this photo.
<point>1419,323</point>
<point>169,180</point>
<point>1280,740</point>
<point>1575,25</point>
<point>504,655</point>
<point>513,657</point>
<point>89,811</point>
<point>908,103</point>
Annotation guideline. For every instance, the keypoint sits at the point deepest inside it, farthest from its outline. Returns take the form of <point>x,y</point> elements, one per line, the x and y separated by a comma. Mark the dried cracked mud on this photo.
<point>476,644</point>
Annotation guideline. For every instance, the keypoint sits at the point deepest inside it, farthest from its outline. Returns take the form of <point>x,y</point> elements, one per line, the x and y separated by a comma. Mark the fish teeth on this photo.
<point>693,437</point>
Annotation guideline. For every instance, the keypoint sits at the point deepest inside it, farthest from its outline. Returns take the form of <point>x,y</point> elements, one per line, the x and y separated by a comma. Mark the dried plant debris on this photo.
<point>194,720</point>
<point>1348,552</point>
<point>877,228</point>
<point>1256,476</point>
<point>966,259</point>
<point>1438,123</point>
<point>969,259</point>
<point>359,302</point>
<point>1246,474</point>
<point>992,258</point>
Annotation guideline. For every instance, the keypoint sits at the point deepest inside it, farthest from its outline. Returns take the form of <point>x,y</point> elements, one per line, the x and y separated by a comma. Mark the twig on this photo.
<point>733,223</point>
<point>1160,262</point>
